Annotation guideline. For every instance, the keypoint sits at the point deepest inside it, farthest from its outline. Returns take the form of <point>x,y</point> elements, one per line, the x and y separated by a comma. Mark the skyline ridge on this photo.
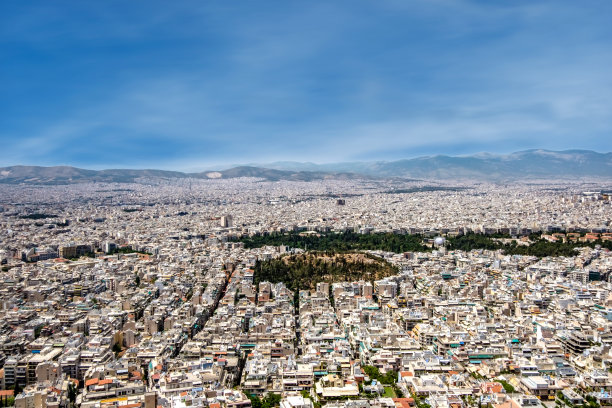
<point>529,164</point>
<point>212,167</point>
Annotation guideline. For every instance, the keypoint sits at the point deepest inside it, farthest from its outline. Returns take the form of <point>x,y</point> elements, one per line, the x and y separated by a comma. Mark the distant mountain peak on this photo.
<point>485,166</point>
<point>527,164</point>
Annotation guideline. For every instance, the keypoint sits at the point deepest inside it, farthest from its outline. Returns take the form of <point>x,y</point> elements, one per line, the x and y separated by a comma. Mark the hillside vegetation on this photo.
<point>304,271</point>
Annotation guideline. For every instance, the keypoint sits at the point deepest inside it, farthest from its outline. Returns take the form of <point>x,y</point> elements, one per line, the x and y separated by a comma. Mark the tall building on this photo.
<point>227,221</point>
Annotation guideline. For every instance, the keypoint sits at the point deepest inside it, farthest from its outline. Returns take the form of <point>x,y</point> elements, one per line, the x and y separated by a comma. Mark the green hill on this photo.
<point>304,271</point>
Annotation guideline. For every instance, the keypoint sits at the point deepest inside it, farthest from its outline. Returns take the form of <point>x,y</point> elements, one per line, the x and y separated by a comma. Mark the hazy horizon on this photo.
<point>338,166</point>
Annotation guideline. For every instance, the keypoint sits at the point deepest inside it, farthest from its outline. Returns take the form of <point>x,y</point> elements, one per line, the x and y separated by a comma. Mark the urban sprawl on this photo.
<point>151,295</point>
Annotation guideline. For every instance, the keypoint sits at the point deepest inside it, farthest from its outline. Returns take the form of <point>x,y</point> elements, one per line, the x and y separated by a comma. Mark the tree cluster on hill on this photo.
<point>304,271</point>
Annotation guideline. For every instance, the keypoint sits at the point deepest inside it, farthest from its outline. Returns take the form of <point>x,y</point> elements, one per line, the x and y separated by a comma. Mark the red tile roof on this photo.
<point>93,381</point>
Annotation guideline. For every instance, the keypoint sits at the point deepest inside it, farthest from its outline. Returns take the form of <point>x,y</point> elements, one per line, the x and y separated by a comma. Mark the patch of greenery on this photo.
<point>130,210</point>
<point>315,404</point>
<point>85,255</point>
<point>269,401</point>
<point>419,401</point>
<point>507,386</point>
<point>591,401</point>
<point>476,376</point>
<point>126,250</point>
<point>72,393</point>
<point>398,243</point>
<point>346,241</point>
<point>473,241</point>
<point>37,216</point>
<point>389,378</point>
<point>540,247</point>
<point>7,402</point>
<point>304,271</point>
<point>424,189</point>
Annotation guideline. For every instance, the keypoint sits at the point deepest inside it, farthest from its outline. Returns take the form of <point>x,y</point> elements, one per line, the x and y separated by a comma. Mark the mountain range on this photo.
<point>71,175</point>
<point>528,164</point>
<point>524,165</point>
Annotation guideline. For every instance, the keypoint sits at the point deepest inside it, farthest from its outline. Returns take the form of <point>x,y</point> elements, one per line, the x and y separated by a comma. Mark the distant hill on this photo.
<point>71,175</point>
<point>304,271</point>
<point>525,165</point>
<point>275,174</point>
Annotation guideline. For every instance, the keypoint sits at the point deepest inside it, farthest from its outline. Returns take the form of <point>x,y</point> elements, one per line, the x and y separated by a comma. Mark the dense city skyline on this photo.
<point>346,204</point>
<point>355,293</point>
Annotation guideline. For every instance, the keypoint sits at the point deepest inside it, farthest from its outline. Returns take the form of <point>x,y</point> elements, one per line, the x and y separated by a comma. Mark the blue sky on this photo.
<point>191,85</point>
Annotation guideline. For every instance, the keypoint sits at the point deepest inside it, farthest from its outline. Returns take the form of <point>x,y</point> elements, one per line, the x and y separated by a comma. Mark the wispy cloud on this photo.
<point>160,84</point>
